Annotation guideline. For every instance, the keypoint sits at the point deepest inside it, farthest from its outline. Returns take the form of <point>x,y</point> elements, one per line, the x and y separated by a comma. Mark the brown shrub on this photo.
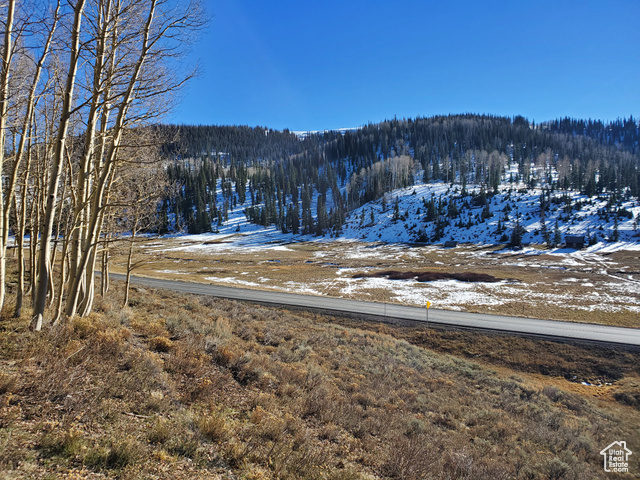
<point>318,402</point>
<point>186,359</point>
<point>116,455</point>
<point>110,342</point>
<point>411,458</point>
<point>148,325</point>
<point>160,344</point>
<point>85,327</point>
<point>552,393</point>
<point>628,392</point>
<point>68,443</point>
<point>330,432</point>
<point>160,431</point>
<point>213,427</point>
<point>203,388</point>
<point>222,328</point>
<point>8,383</point>
<point>226,354</point>
<point>183,443</point>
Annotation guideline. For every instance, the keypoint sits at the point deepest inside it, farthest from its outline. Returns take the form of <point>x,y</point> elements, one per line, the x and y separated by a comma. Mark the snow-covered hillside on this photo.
<point>583,216</point>
<point>568,213</point>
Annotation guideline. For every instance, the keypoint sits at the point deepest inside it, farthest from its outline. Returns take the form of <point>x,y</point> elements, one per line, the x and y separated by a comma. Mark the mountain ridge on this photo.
<point>585,184</point>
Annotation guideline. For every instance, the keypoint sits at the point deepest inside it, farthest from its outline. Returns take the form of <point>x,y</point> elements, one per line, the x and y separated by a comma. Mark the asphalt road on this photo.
<point>518,325</point>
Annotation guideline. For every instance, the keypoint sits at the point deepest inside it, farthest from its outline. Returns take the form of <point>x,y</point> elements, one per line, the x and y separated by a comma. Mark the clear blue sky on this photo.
<point>313,65</point>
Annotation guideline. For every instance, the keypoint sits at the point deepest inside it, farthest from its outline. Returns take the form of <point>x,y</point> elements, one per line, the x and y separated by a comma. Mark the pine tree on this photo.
<point>543,222</point>
<point>486,212</point>
<point>431,211</point>
<point>516,235</point>
<point>557,237</point>
<point>545,232</point>
<point>426,178</point>
<point>295,220</point>
<point>396,211</point>
<point>453,210</point>
<point>163,228</point>
<point>616,234</point>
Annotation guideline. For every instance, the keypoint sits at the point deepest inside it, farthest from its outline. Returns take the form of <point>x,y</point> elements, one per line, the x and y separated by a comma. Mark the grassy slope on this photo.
<point>191,387</point>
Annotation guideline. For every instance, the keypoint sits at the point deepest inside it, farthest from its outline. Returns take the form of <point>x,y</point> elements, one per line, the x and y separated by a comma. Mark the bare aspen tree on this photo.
<point>85,81</point>
<point>44,260</point>
<point>146,78</point>
<point>7,57</point>
<point>23,145</point>
<point>107,242</point>
<point>139,193</point>
<point>21,202</point>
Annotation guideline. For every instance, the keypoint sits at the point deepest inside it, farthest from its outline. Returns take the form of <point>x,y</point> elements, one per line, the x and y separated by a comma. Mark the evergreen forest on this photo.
<point>309,183</point>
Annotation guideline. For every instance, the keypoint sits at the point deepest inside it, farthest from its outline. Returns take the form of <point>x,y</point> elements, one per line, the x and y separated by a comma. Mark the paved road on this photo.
<point>518,325</point>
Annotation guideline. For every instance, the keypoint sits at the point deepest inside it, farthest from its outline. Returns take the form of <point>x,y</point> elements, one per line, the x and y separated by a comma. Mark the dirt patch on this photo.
<point>431,276</point>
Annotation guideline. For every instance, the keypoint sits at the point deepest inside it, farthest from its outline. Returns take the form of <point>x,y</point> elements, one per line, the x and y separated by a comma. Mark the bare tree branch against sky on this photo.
<point>332,64</point>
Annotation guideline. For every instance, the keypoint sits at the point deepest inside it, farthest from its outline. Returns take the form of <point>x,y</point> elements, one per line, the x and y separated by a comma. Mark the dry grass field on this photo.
<point>177,387</point>
<point>576,286</point>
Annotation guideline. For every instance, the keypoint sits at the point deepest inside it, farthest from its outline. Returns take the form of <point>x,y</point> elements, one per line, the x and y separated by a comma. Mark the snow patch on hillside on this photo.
<point>507,208</point>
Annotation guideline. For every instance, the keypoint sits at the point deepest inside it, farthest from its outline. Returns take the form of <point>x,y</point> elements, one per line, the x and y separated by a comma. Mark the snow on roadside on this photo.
<point>232,280</point>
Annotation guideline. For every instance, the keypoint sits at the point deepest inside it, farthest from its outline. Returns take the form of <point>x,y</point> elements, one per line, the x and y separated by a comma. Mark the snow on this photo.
<point>306,133</point>
<point>386,240</point>
<point>173,272</point>
<point>232,280</point>
<point>523,204</point>
<point>617,295</point>
<point>520,203</point>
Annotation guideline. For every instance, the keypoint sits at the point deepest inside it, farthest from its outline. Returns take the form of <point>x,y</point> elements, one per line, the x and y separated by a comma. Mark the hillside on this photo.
<point>478,217</point>
<point>466,178</point>
<point>175,388</point>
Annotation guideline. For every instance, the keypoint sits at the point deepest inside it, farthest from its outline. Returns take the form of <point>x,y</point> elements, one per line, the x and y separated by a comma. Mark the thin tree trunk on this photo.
<point>127,282</point>
<point>107,172</point>
<point>87,301</point>
<point>63,273</point>
<point>7,55</point>
<point>105,271</point>
<point>33,248</point>
<point>54,253</point>
<point>24,146</point>
<point>20,219</point>
<point>44,260</point>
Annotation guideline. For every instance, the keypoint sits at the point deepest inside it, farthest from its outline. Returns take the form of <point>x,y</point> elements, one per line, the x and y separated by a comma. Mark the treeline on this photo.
<point>243,144</point>
<point>624,133</point>
<point>309,184</point>
<point>450,149</point>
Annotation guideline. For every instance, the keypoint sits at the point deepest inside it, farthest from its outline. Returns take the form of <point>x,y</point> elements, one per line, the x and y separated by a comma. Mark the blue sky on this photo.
<point>324,65</point>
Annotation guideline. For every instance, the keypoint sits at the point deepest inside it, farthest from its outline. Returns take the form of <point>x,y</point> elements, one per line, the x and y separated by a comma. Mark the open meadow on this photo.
<point>600,284</point>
